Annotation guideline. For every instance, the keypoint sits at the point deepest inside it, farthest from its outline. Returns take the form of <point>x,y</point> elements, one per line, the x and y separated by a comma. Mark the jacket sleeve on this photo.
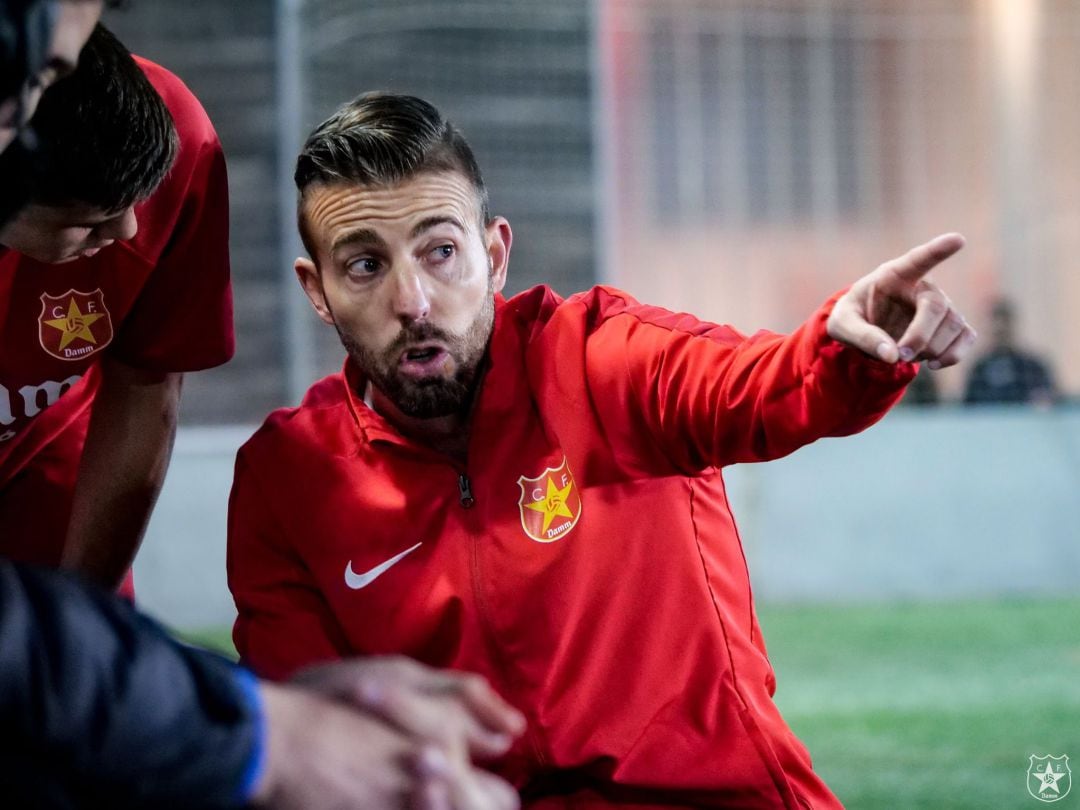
<point>283,622</point>
<point>710,396</point>
<point>100,708</point>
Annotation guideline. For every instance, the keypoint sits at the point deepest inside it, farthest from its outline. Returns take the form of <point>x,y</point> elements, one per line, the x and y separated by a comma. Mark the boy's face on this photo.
<point>56,234</point>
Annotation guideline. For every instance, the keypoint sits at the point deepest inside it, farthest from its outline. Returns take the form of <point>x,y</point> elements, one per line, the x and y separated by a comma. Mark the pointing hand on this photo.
<point>897,313</point>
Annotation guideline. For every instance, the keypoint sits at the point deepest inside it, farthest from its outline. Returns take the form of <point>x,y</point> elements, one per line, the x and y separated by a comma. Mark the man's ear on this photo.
<point>499,238</point>
<point>308,273</point>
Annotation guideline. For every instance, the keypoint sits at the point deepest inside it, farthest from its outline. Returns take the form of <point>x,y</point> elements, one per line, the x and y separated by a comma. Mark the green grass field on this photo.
<point>931,706</point>
<point>927,707</point>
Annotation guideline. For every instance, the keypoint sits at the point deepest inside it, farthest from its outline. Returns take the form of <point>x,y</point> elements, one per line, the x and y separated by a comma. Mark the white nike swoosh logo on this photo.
<point>358,581</point>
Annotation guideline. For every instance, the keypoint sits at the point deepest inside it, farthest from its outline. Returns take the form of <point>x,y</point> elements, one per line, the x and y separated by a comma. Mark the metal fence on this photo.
<point>740,159</point>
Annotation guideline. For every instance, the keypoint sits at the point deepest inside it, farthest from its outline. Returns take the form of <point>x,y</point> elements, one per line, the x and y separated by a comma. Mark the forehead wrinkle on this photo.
<point>442,197</point>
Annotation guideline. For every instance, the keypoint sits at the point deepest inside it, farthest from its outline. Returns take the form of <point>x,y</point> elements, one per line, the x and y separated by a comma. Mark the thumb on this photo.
<point>846,325</point>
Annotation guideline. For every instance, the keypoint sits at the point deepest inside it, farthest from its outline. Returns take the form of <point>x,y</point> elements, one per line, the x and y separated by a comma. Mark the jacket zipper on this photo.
<point>467,501</point>
<point>465,495</point>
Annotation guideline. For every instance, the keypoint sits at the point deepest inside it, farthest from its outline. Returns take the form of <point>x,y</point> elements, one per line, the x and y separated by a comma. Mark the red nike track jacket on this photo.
<point>584,559</point>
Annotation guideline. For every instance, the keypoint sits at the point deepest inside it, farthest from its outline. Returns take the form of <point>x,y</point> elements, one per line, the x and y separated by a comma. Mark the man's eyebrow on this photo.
<point>357,236</point>
<point>428,223</point>
<point>367,236</point>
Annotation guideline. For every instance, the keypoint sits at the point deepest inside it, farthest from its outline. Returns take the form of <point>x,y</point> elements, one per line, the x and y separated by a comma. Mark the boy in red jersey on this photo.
<point>531,488</point>
<point>114,280</point>
<point>127,716</point>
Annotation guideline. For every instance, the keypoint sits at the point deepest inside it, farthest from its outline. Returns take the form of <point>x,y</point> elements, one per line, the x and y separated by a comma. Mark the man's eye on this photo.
<point>443,251</point>
<point>363,267</point>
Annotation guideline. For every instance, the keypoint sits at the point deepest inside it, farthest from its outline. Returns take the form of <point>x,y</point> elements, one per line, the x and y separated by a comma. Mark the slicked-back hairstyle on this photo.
<point>104,136</point>
<point>382,139</point>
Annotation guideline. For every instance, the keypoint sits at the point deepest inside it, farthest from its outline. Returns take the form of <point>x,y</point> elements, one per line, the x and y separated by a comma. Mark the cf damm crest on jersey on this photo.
<point>74,325</point>
<point>550,504</point>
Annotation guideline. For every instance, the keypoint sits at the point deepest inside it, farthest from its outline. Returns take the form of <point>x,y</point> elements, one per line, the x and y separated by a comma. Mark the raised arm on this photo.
<point>693,394</point>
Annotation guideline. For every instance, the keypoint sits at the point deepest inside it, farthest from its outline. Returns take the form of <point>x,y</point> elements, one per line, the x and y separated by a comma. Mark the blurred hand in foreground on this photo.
<point>457,711</point>
<point>325,755</point>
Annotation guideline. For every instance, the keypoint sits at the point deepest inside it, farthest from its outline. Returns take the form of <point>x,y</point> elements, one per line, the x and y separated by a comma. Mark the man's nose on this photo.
<point>412,301</point>
<point>122,226</point>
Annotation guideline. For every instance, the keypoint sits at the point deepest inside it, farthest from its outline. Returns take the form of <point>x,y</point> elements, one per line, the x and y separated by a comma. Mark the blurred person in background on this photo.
<point>40,42</point>
<point>531,488</point>
<point>99,707</point>
<point>114,281</point>
<point>1006,373</point>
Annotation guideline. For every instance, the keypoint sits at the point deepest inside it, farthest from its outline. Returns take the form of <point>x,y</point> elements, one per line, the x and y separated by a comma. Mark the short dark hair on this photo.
<point>105,137</point>
<point>381,139</point>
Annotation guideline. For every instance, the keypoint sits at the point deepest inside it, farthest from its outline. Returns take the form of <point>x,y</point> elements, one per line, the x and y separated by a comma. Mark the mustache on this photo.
<point>418,333</point>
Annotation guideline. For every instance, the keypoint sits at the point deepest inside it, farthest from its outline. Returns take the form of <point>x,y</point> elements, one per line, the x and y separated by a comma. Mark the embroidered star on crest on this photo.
<point>75,325</point>
<point>554,504</point>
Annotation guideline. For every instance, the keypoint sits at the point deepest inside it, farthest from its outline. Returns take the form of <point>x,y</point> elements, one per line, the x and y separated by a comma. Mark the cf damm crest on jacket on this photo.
<point>1049,778</point>
<point>550,504</point>
<point>74,325</point>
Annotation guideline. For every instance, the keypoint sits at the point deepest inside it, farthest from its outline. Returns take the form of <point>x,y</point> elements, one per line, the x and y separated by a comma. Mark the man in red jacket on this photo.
<point>531,488</point>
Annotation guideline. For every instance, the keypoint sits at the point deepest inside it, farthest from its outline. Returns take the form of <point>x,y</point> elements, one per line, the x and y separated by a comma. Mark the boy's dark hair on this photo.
<point>381,139</point>
<point>105,137</point>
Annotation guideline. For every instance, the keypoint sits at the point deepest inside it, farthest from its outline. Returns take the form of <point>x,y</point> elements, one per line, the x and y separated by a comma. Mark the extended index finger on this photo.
<point>920,260</point>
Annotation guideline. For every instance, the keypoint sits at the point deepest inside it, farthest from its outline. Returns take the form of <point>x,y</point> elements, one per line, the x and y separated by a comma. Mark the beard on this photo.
<point>430,397</point>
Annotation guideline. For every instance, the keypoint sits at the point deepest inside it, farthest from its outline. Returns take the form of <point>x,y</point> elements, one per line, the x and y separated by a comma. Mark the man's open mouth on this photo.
<point>422,353</point>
